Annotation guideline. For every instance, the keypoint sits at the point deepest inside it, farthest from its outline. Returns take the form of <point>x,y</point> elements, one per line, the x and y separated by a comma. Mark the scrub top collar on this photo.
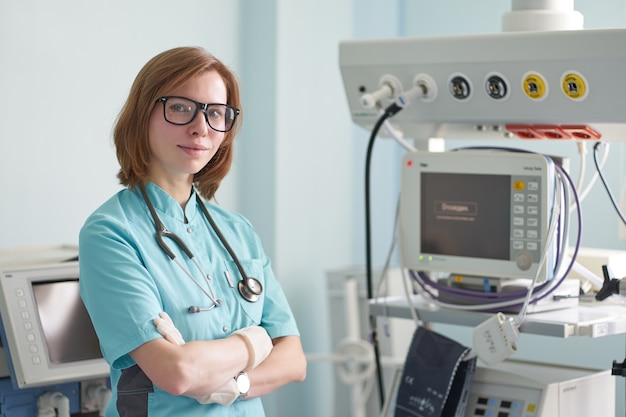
<point>166,204</point>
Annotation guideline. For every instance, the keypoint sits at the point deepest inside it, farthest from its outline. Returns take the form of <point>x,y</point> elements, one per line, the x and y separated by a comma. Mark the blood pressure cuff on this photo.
<point>435,380</point>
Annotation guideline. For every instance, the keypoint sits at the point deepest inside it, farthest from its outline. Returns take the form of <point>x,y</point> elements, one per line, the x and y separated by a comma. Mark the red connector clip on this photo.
<point>524,131</point>
<point>553,131</point>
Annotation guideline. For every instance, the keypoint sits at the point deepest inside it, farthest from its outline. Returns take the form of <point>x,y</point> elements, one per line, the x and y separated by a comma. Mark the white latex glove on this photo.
<point>258,342</point>
<point>165,326</point>
<point>226,395</point>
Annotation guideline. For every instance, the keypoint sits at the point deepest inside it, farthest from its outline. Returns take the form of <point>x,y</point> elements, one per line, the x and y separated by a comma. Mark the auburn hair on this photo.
<point>163,73</point>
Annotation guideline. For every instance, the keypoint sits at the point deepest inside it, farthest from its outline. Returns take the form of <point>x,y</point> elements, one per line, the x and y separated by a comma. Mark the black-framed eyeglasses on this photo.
<point>182,110</point>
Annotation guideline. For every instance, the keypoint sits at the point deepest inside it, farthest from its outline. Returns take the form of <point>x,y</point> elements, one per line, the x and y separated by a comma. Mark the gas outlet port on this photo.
<point>460,87</point>
<point>496,86</point>
<point>428,86</point>
<point>574,85</point>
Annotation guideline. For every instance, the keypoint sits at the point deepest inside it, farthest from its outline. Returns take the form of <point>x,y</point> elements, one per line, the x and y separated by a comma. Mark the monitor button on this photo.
<point>524,260</point>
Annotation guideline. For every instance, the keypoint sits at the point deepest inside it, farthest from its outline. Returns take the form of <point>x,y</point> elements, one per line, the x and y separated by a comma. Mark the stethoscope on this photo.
<point>249,287</point>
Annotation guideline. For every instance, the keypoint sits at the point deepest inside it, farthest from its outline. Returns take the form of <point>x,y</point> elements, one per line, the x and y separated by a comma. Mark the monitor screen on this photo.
<point>67,329</point>
<point>46,327</point>
<point>459,210</point>
<point>481,214</point>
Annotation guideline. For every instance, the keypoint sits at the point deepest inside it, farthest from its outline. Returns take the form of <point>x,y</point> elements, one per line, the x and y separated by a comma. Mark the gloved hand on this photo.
<point>258,342</point>
<point>226,395</point>
<point>165,326</point>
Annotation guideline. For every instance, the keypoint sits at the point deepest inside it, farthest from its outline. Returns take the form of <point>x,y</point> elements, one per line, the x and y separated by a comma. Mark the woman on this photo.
<point>159,266</point>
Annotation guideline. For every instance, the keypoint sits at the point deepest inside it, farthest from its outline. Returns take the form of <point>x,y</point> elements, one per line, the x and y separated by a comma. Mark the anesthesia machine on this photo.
<point>491,231</point>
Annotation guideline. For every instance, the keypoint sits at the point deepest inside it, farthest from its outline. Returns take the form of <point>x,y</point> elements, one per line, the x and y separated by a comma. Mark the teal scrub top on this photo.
<point>126,280</point>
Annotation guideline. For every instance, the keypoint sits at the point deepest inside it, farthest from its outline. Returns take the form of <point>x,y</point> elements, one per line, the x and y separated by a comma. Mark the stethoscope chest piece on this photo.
<point>250,289</point>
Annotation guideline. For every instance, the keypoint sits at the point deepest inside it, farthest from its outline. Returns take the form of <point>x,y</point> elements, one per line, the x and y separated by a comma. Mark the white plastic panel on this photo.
<point>552,85</point>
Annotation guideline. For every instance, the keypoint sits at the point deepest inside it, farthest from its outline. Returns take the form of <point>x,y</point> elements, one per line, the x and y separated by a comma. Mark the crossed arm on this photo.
<point>200,368</point>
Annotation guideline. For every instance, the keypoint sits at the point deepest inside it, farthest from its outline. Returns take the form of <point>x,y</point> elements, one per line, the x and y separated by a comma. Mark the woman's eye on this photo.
<point>180,108</point>
<point>214,114</point>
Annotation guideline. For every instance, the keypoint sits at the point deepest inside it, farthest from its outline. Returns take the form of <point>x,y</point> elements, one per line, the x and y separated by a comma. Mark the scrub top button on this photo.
<point>225,329</point>
<point>189,230</point>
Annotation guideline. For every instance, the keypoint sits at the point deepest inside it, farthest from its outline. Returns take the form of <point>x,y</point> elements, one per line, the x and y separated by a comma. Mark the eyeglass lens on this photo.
<point>181,111</point>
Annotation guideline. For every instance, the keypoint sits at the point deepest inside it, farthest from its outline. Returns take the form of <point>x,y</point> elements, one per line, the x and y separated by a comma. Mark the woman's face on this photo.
<point>177,152</point>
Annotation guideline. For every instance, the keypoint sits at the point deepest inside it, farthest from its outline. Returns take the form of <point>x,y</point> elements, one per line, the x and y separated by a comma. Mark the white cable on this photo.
<point>622,191</point>
<point>582,151</point>
<point>502,304</point>
<point>595,281</point>
<point>407,294</point>
<point>582,195</point>
<point>394,239</point>
<point>498,305</point>
<point>556,211</point>
<point>384,275</point>
<point>403,101</point>
<point>396,134</point>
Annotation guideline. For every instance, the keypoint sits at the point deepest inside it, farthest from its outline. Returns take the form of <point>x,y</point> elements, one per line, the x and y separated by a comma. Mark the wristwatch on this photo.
<point>243,384</point>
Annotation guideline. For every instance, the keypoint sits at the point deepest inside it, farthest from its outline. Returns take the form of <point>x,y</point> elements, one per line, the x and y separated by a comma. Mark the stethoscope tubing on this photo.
<point>249,288</point>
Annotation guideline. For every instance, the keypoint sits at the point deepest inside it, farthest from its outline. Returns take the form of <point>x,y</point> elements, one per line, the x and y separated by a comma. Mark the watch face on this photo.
<point>243,383</point>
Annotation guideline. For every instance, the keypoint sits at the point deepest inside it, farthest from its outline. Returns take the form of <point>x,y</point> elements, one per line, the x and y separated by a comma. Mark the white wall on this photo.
<point>67,67</point>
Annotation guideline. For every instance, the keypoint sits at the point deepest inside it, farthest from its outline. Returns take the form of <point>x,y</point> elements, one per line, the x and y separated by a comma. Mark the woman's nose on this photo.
<point>200,125</point>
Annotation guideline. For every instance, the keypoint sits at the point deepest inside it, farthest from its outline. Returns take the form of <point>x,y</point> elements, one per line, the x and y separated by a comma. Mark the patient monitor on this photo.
<point>46,328</point>
<point>477,214</point>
